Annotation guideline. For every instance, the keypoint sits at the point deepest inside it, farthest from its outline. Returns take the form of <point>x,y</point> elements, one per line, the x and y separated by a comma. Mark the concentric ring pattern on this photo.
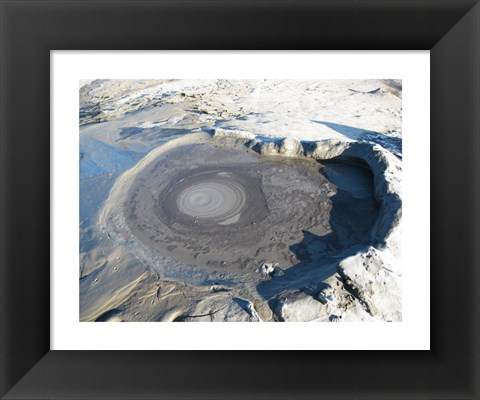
<point>213,196</point>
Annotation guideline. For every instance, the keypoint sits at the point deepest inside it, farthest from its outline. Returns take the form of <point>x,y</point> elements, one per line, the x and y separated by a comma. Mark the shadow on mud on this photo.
<point>353,215</point>
<point>388,142</point>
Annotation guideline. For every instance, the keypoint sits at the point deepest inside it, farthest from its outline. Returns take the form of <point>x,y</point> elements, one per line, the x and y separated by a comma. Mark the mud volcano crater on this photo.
<point>213,206</point>
<point>197,206</point>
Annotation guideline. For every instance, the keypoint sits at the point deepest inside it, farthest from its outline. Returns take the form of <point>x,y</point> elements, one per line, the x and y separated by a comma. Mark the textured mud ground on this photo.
<point>178,230</point>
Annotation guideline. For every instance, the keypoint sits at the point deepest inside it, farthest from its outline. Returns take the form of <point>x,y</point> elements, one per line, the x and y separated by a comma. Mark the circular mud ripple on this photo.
<point>208,198</point>
<point>214,196</point>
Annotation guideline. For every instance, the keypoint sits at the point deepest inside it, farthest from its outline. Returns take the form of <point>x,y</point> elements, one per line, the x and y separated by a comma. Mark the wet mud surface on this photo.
<point>212,207</point>
<point>218,212</point>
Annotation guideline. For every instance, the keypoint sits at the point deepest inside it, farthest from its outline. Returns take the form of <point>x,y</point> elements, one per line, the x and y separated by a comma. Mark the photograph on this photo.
<point>205,161</point>
<point>240,200</point>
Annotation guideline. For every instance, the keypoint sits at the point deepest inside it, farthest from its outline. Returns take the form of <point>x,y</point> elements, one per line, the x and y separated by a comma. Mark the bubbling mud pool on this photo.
<point>194,209</point>
<point>211,206</point>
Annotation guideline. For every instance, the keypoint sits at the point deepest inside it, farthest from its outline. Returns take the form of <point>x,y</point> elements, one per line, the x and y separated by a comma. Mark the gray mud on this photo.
<point>221,208</point>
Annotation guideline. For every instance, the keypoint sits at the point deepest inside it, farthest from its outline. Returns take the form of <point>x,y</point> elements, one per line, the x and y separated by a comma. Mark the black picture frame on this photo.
<point>31,29</point>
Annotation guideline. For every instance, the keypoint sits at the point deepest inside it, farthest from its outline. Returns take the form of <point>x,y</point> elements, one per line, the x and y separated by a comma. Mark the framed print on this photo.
<point>54,58</point>
<point>227,279</point>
